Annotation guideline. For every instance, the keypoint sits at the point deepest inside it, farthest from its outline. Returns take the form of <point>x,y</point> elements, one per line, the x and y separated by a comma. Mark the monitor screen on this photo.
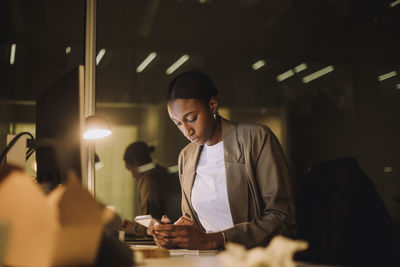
<point>59,125</point>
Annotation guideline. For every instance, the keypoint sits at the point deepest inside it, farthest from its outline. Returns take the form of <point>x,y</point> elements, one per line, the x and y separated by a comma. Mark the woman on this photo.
<point>234,177</point>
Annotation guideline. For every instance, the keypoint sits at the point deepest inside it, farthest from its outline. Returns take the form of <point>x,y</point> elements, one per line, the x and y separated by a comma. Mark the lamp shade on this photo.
<point>96,127</point>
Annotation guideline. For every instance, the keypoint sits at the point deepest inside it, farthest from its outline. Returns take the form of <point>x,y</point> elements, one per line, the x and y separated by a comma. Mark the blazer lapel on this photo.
<point>236,177</point>
<point>190,173</point>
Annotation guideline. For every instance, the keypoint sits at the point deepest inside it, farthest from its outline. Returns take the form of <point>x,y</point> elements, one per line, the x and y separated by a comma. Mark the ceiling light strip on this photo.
<point>100,55</point>
<point>146,62</point>
<point>387,76</point>
<point>300,67</point>
<point>177,64</point>
<point>318,74</point>
<point>285,75</point>
<point>12,54</point>
<point>395,3</point>
<point>258,64</point>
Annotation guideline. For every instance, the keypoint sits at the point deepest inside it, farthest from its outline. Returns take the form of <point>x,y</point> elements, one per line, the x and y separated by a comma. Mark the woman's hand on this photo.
<point>186,236</point>
<point>165,220</point>
<point>150,231</point>
<point>183,221</point>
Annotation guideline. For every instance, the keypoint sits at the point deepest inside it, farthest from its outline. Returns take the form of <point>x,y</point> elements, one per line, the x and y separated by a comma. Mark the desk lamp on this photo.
<point>96,127</point>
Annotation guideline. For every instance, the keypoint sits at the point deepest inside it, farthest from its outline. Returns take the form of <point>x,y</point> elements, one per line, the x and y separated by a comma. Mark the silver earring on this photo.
<point>215,116</point>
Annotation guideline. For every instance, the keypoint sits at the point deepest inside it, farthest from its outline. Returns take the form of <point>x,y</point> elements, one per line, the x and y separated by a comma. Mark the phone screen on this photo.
<point>145,220</point>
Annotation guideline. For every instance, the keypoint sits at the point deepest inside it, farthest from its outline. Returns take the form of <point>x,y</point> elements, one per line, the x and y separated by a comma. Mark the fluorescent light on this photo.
<point>387,76</point>
<point>146,62</point>
<point>387,169</point>
<point>395,3</point>
<point>318,74</point>
<point>285,75</point>
<point>258,64</point>
<point>12,54</point>
<point>398,86</point>
<point>100,55</point>
<point>300,67</point>
<point>177,64</point>
<point>68,50</point>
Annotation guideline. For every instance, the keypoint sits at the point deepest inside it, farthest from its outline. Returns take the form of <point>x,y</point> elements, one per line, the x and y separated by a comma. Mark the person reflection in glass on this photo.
<point>158,190</point>
<point>235,179</point>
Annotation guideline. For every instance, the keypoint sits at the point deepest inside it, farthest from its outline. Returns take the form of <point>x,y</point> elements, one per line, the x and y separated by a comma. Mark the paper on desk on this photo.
<point>63,229</point>
<point>279,253</point>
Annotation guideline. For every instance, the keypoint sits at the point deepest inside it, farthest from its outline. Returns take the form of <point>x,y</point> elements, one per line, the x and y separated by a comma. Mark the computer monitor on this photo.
<point>59,125</point>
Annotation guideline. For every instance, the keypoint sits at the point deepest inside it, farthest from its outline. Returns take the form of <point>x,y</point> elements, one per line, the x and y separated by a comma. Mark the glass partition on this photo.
<point>313,71</point>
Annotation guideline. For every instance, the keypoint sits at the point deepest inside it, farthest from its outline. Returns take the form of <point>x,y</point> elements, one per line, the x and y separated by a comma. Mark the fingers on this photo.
<point>165,219</point>
<point>162,241</point>
<point>173,231</point>
<point>150,229</point>
<point>184,221</point>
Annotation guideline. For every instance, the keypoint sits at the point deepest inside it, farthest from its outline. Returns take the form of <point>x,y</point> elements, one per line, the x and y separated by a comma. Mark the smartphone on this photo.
<point>145,220</point>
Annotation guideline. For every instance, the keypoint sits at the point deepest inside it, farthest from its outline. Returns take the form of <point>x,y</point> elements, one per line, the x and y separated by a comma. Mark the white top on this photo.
<point>209,192</point>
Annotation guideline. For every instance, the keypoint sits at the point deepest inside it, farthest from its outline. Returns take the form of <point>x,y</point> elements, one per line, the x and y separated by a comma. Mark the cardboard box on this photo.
<point>63,228</point>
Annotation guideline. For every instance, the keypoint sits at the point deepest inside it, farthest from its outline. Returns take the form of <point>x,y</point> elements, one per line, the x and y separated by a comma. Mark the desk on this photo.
<point>182,261</point>
<point>199,261</point>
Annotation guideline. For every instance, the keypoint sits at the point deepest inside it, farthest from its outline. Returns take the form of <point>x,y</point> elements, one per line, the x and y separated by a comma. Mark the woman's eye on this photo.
<point>192,119</point>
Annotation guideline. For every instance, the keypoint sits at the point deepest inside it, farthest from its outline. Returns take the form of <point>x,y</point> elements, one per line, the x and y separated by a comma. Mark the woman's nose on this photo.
<point>189,131</point>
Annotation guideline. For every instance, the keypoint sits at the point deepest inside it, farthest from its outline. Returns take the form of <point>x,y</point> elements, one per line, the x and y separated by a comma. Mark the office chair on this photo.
<point>341,215</point>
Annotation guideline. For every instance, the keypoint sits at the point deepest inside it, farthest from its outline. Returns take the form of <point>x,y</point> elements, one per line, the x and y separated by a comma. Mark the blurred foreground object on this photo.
<point>4,229</point>
<point>279,253</point>
<point>143,252</point>
<point>61,229</point>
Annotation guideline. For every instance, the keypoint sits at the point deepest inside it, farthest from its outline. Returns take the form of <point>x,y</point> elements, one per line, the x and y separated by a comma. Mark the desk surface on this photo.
<point>198,261</point>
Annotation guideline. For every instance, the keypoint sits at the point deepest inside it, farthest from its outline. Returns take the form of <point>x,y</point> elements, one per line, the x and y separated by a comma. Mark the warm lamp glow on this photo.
<point>96,133</point>
<point>96,127</point>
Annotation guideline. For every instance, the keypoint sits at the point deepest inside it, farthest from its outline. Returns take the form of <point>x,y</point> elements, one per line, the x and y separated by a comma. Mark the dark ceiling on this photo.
<point>222,37</point>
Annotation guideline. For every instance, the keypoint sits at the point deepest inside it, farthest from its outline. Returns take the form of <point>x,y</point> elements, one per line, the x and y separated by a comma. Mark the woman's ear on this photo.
<point>213,105</point>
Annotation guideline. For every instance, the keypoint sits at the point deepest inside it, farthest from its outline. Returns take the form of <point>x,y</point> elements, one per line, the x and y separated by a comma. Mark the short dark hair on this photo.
<point>139,152</point>
<point>191,85</point>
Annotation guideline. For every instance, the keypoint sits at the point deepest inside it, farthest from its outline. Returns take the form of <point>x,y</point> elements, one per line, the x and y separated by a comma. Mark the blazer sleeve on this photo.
<point>271,182</point>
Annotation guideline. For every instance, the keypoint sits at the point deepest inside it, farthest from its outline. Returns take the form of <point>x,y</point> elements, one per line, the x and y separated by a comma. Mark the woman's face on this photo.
<point>194,119</point>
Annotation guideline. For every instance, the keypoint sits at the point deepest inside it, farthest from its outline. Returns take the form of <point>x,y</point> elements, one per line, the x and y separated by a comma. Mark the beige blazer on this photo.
<point>258,184</point>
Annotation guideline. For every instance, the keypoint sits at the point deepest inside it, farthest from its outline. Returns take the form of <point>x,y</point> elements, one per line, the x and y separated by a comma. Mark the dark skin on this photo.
<point>194,118</point>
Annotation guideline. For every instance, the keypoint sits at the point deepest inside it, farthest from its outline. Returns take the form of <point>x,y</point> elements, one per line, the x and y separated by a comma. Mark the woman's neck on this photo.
<point>217,135</point>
